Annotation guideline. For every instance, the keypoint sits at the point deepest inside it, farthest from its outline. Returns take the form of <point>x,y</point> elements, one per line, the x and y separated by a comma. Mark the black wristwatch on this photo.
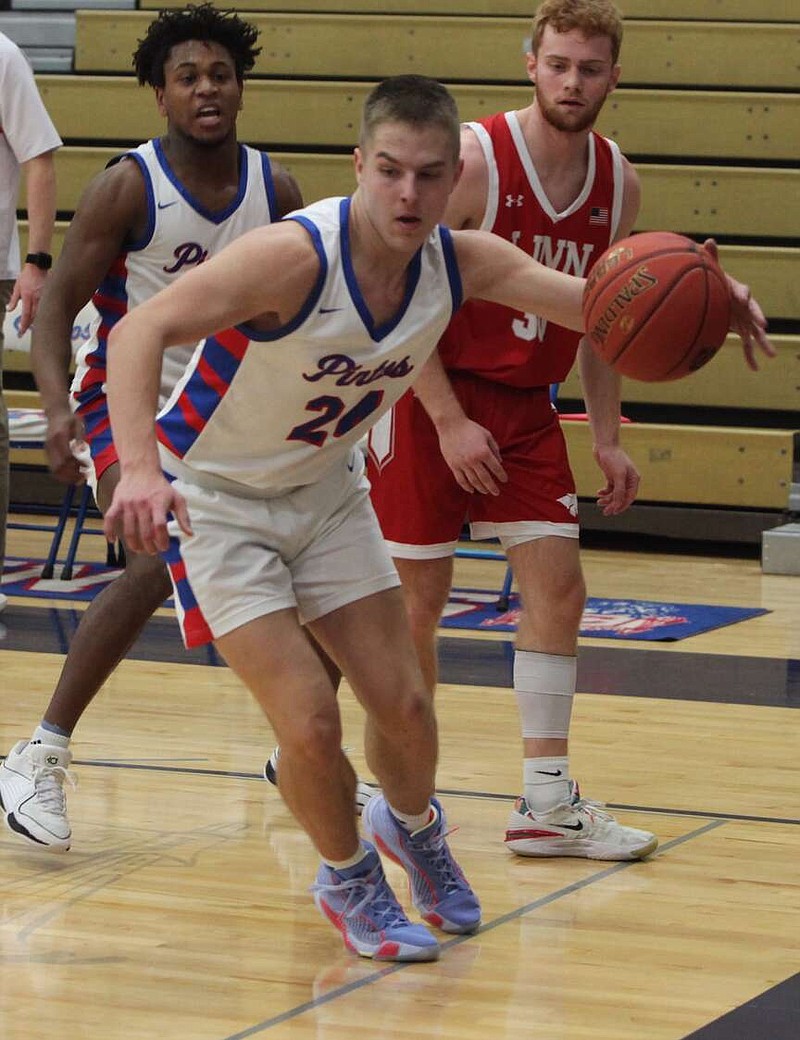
<point>43,261</point>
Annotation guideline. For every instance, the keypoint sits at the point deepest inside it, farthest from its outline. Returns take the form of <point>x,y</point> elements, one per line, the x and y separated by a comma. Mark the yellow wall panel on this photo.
<point>736,10</point>
<point>482,49</point>
<point>696,465</point>
<point>714,124</point>
<point>725,382</point>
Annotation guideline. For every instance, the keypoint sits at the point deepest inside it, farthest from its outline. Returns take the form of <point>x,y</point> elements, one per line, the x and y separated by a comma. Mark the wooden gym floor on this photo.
<point>182,910</point>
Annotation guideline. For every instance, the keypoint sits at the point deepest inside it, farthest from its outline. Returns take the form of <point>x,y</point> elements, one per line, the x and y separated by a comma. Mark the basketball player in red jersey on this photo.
<point>479,418</point>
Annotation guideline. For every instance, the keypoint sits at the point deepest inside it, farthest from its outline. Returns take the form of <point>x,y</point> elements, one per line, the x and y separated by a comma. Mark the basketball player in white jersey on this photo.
<point>141,224</point>
<point>253,468</point>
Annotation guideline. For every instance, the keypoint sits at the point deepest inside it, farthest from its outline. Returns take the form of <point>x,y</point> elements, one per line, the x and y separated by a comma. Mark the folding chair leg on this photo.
<point>72,551</point>
<point>58,532</point>
<point>505,592</point>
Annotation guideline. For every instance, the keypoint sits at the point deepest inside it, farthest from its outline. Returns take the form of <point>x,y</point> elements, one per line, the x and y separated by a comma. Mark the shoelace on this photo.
<point>436,849</point>
<point>48,782</point>
<point>383,906</point>
<point>596,810</point>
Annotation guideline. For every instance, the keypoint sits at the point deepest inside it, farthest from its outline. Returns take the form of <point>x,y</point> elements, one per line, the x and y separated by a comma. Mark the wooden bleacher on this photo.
<point>375,45</point>
<point>691,197</point>
<point>708,112</point>
<point>750,126</point>
<point>718,10</point>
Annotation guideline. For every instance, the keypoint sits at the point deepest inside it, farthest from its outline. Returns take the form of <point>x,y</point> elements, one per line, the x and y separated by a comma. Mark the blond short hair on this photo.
<point>415,100</point>
<point>591,17</point>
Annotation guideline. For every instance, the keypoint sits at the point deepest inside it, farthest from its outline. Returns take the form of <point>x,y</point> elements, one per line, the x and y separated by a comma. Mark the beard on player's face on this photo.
<point>570,120</point>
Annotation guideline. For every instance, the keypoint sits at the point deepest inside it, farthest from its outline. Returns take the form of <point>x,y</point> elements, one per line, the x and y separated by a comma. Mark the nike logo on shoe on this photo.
<point>542,832</point>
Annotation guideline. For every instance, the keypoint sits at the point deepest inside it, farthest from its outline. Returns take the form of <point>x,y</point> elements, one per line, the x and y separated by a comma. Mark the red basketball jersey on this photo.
<point>509,346</point>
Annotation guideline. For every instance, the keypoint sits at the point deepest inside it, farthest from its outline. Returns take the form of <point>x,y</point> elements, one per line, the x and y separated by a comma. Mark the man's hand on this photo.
<point>747,318</point>
<point>622,480</point>
<point>140,510</point>
<point>472,454</point>
<point>63,430</point>
<point>28,288</point>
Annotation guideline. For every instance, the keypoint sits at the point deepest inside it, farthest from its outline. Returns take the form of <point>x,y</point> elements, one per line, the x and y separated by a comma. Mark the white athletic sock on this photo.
<point>546,782</point>
<point>414,823</point>
<point>352,861</point>
<point>47,736</point>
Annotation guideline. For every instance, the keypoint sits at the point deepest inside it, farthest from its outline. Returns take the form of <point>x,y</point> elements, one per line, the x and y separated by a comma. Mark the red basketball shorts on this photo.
<point>422,509</point>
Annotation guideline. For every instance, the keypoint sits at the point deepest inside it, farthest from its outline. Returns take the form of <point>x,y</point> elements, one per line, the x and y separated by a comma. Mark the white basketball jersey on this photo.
<point>180,234</point>
<point>273,410</point>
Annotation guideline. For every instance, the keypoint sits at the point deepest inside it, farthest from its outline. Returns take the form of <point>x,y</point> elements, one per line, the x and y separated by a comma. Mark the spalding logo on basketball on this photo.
<point>656,306</point>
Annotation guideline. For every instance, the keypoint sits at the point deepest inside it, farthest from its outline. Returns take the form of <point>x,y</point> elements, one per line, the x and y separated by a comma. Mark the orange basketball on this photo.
<point>656,306</point>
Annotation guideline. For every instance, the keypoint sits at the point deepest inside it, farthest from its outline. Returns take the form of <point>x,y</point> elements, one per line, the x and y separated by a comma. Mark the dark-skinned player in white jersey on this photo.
<point>141,224</point>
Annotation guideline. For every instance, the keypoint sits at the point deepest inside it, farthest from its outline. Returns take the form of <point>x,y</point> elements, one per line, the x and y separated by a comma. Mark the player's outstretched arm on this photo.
<point>747,317</point>
<point>493,269</point>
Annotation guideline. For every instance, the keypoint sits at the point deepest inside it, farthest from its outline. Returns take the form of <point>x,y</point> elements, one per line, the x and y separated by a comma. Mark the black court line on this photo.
<point>627,671</point>
<point>447,792</point>
<point>498,922</point>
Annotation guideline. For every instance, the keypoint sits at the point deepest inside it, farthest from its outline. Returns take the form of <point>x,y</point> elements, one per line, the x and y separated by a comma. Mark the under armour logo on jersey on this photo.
<point>514,200</point>
<point>570,503</point>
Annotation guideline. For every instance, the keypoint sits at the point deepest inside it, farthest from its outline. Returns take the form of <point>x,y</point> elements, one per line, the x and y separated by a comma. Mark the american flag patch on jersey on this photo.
<point>598,215</point>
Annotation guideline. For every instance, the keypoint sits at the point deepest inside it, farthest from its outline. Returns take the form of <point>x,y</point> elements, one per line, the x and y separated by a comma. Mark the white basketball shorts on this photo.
<point>316,548</point>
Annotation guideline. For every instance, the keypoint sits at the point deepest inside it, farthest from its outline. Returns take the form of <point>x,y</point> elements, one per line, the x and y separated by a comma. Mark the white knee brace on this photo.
<point>544,685</point>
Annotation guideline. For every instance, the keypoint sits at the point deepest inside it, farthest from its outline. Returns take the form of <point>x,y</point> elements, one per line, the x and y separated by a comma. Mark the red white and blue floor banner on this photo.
<point>602,618</point>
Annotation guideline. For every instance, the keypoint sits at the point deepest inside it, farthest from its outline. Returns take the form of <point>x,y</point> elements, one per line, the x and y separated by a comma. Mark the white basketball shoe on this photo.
<point>32,794</point>
<point>364,791</point>
<point>575,828</point>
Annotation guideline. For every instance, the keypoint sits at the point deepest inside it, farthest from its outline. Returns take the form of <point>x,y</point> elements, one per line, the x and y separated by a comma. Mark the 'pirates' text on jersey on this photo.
<point>509,346</point>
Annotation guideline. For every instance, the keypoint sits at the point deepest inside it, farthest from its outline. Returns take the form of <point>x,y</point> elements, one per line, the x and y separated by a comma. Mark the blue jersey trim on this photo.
<point>312,299</point>
<point>220,216</point>
<point>451,262</point>
<point>203,397</point>
<point>269,185</point>
<point>135,245</point>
